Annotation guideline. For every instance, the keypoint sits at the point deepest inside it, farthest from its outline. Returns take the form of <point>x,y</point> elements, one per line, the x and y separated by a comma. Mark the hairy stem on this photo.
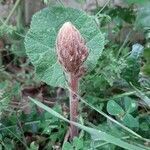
<point>73,104</point>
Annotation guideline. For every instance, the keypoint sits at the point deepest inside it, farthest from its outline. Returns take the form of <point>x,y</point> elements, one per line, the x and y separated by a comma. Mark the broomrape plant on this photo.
<point>67,41</point>
<point>72,52</point>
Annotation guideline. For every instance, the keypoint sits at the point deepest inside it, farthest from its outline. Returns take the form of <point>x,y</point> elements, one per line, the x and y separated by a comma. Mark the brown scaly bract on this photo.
<point>71,49</point>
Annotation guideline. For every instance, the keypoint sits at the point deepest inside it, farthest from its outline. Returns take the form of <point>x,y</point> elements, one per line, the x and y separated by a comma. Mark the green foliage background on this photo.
<point>114,94</point>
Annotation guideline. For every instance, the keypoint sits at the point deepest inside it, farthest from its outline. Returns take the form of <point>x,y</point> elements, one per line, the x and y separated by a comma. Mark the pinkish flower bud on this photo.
<point>71,49</point>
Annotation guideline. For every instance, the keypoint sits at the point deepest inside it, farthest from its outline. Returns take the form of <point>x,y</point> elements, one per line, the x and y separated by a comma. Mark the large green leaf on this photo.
<point>40,41</point>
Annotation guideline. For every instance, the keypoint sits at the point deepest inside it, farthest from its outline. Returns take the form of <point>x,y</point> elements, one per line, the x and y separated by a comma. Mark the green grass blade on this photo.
<point>96,134</point>
<point>113,120</point>
<point>142,96</point>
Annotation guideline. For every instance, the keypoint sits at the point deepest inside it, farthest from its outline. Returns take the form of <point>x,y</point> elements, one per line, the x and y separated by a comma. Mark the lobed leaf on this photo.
<point>40,41</point>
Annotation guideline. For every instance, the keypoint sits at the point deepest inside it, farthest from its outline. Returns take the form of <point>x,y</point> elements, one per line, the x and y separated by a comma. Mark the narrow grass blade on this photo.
<point>113,120</point>
<point>96,134</point>
<point>142,96</point>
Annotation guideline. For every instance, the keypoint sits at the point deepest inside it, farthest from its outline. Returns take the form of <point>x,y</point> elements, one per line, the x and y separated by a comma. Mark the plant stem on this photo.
<point>73,104</point>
